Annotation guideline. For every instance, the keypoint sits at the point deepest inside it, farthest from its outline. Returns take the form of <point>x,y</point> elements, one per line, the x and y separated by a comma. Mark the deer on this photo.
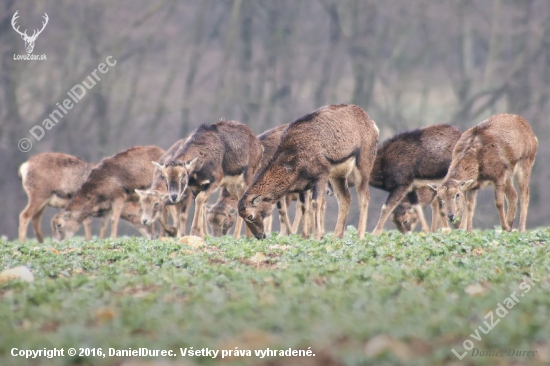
<point>50,179</point>
<point>109,185</point>
<point>330,143</point>
<point>155,201</point>
<point>131,212</point>
<point>225,209</point>
<point>223,215</point>
<point>29,40</point>
<point>404,215</point>
<point>410,160</point>
<point>224,154</point>
<point>495,152</point>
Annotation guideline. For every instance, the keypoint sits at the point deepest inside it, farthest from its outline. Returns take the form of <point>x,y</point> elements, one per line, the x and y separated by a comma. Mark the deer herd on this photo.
<point>324,152</point>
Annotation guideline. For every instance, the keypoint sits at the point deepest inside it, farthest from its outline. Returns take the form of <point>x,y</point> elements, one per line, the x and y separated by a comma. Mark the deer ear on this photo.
<point>465,184</point>
<point>190,165</point>
<point>256,201</point>
<point>158,165</point>
<point>433,186</point>
<point>139,192</point>
<point>207,207</point>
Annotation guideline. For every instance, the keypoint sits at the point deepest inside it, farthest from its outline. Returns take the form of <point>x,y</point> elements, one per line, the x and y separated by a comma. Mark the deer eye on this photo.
<point>457,195</point>
<point>405,222</point>
<point>156,205</point>
<point>250,217</point>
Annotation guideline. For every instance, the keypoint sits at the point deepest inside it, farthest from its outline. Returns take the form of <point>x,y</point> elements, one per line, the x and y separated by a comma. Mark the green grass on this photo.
<point>334,296</point>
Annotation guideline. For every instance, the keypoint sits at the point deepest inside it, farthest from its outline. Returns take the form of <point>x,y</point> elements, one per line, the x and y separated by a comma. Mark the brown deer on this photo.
<point>495,152</point>
<point>225,154</point>
<point>154,207</point>
<point>50,179</point>
<point>155,201</point>
<point>223,215</point>
<point>329,144</point>
<point>410,160</point>
<point>108,186</point>
<point>131,212</point>
<point>404,215</point>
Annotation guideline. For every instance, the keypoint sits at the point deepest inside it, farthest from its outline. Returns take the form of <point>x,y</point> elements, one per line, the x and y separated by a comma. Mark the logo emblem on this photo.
<point>29,40</point>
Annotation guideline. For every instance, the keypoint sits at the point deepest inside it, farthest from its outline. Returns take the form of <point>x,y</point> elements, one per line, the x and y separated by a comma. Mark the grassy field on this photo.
<point>387,300</point>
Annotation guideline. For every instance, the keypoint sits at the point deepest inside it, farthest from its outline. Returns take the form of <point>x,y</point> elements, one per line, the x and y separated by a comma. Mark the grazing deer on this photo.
<point>225,154</point>
<point>155,201</point>
<point>329,144</point>
<point>108,186</point>
<point>155,208</point>
<point>411,160</point>
<point>50,179</point>
<point>223,215</point>
<point>131,212</point>
<point>404,215</point>
<point>495,152</point>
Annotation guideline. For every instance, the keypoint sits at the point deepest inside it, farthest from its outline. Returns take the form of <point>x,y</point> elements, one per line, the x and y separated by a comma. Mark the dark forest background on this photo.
<point>182,63</point>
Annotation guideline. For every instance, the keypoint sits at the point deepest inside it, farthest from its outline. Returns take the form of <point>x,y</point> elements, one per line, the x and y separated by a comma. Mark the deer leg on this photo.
<point>33,207</point>
<point>163,219</point>
<point>363,193</point>
<point>197,227</point>
<point>511,200</point>
<point>323,210</point>
<point>523,177</point>
<point>116,211</point>
<point>341,189</point>
<point>393,200</point>
<point>286,227</point>
<point>499,203</point>
<point>36,225</point>
<point>87,228</point>
<point>268,224</point>
<point>184,213</point>
<point>104,225</point>
<point>317,196</point>
<point>470,208</point>
<point>297,217</point>
<point>205,222</point>
<point>305,208</point>
<point>435,215</point>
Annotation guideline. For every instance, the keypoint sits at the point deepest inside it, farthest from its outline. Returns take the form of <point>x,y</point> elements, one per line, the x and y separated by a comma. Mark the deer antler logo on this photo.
<point>29,40</point>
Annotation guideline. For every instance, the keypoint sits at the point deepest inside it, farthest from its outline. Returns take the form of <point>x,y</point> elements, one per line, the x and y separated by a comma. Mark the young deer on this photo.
<point>223,215</point>
<point>495,152</point>
<point>329,144</point>
<point>411,160</point>
<point>50,179</point>
<point>404,215</point>
<point>155,201</point>
<point>223,212</point>
<point>225,154</point>
<point>107,187</point>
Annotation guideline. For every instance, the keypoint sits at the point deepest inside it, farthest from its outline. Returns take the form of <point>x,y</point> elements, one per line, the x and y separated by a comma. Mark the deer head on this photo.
<point>29,40</point>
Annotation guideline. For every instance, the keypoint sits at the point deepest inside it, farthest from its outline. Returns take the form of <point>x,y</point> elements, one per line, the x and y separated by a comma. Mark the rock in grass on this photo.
<point>21,273</point>
<point>192,241</point>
